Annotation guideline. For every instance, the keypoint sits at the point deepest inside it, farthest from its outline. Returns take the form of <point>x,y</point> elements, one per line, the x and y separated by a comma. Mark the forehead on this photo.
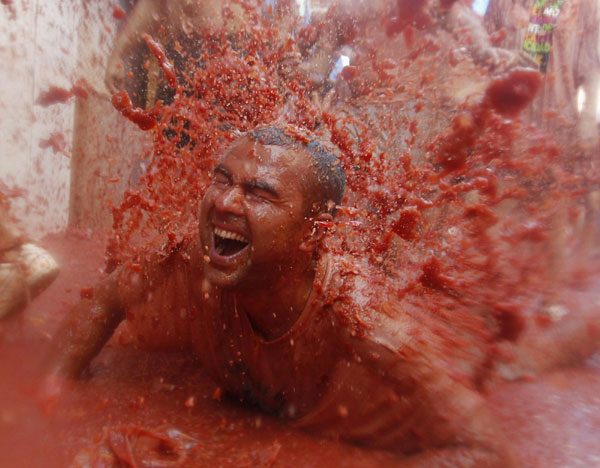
<point>247,158</point>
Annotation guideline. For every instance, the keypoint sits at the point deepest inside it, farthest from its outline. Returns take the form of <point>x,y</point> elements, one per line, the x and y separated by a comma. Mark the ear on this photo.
<point>320,223</point>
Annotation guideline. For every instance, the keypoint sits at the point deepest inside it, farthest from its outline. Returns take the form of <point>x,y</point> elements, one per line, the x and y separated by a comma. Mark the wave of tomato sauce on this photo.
<point>129,387</point>
<point>456,205</point>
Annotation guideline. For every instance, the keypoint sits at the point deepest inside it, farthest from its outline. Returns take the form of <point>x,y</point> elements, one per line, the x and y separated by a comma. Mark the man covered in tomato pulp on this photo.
<point>281,322</point>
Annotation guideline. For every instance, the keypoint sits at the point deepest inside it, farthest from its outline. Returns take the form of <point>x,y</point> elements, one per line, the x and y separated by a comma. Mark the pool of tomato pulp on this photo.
<point>461,207</point>
<point>551,421</point>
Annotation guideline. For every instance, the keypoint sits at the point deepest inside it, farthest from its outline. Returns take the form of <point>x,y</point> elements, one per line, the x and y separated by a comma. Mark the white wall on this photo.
<point>39,48</point>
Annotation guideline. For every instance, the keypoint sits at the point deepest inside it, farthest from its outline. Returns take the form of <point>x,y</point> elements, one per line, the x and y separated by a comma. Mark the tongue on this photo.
<point>227,247</point>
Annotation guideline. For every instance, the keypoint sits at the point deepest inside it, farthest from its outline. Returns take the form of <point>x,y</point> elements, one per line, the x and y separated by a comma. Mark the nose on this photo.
<point>231,201</point>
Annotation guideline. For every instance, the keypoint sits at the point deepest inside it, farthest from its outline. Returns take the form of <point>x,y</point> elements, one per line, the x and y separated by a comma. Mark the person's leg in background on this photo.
<point>25,268</point>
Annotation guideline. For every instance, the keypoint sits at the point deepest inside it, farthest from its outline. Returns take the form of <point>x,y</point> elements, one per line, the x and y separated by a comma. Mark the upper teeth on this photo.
<point>230,235</point>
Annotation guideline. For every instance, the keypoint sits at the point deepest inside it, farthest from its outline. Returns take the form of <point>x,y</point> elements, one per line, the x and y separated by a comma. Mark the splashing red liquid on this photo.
<point>159,52</point>
<point>145,120</point>
<point>510,94</point>
<point>453,209</point>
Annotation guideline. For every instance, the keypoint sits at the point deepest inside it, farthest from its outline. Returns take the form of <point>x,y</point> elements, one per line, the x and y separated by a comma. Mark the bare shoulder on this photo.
<point>150,269</point>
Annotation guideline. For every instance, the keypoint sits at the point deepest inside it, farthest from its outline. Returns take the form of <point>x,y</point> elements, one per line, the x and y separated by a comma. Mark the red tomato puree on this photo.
<point>459,204</point>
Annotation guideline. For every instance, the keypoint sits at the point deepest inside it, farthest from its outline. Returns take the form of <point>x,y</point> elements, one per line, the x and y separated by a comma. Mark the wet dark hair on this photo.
<point>328,182</point>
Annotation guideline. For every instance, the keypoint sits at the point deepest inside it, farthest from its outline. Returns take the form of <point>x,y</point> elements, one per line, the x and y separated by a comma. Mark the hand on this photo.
<point>527,60</point>
<point>496,59</point>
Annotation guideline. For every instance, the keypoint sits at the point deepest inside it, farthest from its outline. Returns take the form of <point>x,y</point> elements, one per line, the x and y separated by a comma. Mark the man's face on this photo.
<point>252,216</point>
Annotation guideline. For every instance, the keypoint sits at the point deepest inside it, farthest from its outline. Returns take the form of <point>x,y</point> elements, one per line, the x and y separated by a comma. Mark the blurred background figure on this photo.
<point>25,268</point>
<point>437,57</point>
<point>190,32</point>
<point>181,25</point>
<point>174,24</point>
<point>561,36</point>
<point>561,39</point>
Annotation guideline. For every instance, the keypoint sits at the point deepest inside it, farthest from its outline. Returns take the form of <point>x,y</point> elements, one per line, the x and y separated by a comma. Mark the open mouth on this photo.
<point>228,243</point>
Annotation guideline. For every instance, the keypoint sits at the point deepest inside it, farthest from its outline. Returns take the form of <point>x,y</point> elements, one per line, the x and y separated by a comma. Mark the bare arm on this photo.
<point>435,419</point>
<point>453,425</point>
<point>467,27</point>
<point>391,395</point>
<point>175,17</point>
<point>81,336</point>
<point>91,323</point>
<point>413,410</point>
<point>144,18</point>
<point>466,433</point>
<point>86,329</point>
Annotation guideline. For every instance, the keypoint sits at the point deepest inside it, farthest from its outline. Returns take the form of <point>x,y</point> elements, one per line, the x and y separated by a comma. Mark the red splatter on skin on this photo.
<point>159,52</point>
<point>118,12</point>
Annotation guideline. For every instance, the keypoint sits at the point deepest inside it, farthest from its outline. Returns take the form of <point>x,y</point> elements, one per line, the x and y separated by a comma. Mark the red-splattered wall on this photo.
<point>37,45</point>
<point>62,142</point>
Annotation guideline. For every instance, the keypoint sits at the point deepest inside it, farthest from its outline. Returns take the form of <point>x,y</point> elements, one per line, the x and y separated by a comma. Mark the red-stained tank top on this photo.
<point>287,375</point>
<point>344,369</point>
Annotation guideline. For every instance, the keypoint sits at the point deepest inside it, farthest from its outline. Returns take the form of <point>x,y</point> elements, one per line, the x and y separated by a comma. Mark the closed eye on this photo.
<point>261,194</point>
<point>261,190</point>
<point>221,176</point>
